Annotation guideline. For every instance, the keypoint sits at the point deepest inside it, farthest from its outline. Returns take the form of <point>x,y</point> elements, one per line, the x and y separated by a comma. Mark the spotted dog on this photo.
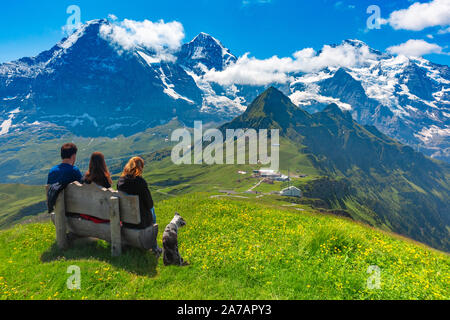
<point>170,242</point>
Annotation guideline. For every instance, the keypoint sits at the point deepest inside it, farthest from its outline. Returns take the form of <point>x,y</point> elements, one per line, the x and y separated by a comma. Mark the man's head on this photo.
<point>69,153</point>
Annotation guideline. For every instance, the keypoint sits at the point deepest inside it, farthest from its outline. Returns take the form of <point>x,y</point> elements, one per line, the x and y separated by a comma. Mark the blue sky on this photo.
<point>262,27</point>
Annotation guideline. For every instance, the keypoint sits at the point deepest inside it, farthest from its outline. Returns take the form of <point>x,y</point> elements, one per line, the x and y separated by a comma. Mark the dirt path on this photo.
<point>256,185</point>
<point>227,195</point>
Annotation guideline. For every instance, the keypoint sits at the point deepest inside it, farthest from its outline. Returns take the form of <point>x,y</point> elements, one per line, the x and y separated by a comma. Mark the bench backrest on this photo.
<point>94,201</point>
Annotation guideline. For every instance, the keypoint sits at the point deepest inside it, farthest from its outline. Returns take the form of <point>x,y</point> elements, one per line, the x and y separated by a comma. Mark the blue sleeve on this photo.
<point>50,178</point>
<point>78,175</point>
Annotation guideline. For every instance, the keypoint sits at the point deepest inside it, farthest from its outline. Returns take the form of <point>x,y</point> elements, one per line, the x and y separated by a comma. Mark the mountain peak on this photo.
<point>97,22</point>
<point>271,109</point>
<point>272,90</point>
<point>358,44</point>
<point>205,50</point>
<point>355,42</point>
<point>272,94</point>
<point>90,29</point>
<point>333,108</point>
<point>206,40</point>
<point>202,36</point>
<point>92,26</point>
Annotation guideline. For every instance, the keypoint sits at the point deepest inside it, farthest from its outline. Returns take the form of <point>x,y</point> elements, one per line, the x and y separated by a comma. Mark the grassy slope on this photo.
<point>19,202</point>
<point>238,249</point>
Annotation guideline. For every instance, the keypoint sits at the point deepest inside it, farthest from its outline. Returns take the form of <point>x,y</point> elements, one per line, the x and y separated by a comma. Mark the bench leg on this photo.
<point>116,239</point>
<point>60,222</point>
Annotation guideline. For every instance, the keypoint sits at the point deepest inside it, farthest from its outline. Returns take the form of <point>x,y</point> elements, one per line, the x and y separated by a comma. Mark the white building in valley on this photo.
<point>291,192</point>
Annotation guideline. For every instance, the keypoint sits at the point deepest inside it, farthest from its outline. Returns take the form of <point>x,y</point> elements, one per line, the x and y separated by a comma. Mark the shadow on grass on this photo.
<point>138,261</point>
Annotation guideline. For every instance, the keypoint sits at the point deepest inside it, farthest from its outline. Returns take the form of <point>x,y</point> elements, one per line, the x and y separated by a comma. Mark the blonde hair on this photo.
<point>134,167</point>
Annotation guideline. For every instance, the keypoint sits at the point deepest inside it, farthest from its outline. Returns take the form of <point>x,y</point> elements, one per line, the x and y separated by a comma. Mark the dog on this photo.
<point>170,242</point>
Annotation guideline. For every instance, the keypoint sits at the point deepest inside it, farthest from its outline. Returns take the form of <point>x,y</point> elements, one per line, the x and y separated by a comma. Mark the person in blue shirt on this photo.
<point>65,172</point>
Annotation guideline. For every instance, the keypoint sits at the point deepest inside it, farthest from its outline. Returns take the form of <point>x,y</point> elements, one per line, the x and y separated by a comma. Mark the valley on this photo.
<point>346,167</point>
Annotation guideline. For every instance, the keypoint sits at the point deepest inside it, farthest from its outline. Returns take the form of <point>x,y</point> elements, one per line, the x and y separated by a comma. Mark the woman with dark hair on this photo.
<point>131,182</point>
<point>97,173</point>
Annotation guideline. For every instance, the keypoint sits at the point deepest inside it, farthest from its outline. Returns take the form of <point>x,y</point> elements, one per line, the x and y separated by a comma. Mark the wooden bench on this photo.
<point>102,203</point>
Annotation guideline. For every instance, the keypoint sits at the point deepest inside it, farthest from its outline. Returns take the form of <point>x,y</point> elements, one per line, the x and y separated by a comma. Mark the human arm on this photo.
<point>146,195</point>
<point>77,175</point>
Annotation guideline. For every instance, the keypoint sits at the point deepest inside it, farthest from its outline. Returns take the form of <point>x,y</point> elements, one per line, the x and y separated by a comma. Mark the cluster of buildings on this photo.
<point>273,175</point>
<point>270,174</point>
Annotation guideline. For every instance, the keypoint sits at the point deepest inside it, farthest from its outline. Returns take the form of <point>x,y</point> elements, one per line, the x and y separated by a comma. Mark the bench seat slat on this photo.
<point>92,200</point>
<point>143,238</point>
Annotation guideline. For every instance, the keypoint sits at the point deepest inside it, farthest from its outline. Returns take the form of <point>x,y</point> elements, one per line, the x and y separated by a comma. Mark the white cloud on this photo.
<point>421,15</point>
<point>112,17</point>
<point>253,71</point>
<point>344,55</point>
<point>415,48</point>
<point>159,37</point>
<point>249,70</point>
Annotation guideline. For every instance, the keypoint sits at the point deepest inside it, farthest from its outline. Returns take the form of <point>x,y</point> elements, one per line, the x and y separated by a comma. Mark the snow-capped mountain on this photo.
<point>205,53</point>
<point>86,85</point>
<point>406,98</point>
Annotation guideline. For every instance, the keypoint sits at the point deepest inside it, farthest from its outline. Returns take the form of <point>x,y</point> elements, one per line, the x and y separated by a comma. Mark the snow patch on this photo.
<point>214,102</point>
<point>9,98</point>
<point>169,88</point>
<point>148,59</point>
<point>198,53</point>
<point>6,124</point>
<point>431,72</point>
<point>427,135</point>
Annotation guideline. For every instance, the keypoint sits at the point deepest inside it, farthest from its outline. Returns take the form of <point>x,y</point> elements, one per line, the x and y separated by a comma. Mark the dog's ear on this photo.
<point>176,214</point>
